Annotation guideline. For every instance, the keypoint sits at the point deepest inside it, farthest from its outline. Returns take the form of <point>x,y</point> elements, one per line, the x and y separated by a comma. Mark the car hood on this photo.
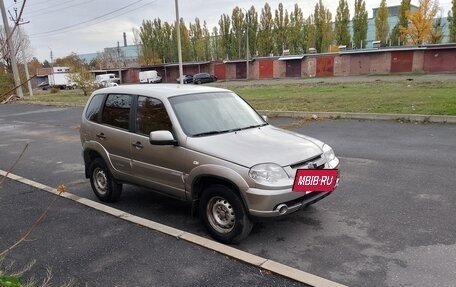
<point>249,147</point>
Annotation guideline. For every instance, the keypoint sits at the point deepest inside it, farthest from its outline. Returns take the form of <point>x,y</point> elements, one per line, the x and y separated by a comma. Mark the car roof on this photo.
<point>159,90</point>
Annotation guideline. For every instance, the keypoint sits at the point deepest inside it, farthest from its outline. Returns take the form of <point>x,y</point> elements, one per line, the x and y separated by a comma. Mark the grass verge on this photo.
<point>404,97</point>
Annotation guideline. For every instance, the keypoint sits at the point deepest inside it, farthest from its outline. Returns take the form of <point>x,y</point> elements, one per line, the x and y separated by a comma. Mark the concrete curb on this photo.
<point>441,119</point>
<point>362,116</point>
<point>260,262</point>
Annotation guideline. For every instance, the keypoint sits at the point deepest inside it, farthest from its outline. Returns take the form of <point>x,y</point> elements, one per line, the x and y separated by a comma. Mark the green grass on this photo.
<point>62,97</point>
<point>432,98</point>
<point>381,97</point>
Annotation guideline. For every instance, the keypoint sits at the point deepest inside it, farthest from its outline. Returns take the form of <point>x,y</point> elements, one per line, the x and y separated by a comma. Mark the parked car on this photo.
<point>149,77</point>
<point>187,79</point>
<point>203,145</point>
<point>107,80</point>
<point>202,78</point>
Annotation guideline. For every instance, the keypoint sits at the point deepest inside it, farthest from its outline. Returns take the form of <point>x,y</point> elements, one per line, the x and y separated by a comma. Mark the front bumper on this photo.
<point>274,203</point>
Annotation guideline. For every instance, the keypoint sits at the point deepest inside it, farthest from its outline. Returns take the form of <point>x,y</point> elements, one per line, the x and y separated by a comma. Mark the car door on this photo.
<point>114,132</point>
<point>158,166</point>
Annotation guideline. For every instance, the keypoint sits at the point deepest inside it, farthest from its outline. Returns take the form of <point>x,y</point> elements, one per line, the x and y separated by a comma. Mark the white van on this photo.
<point>148,77</point>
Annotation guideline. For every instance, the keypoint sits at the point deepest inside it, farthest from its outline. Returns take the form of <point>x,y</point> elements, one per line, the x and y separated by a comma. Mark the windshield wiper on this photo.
<point>254,126</point>
<point>208,133</point>
<point>227,131</point>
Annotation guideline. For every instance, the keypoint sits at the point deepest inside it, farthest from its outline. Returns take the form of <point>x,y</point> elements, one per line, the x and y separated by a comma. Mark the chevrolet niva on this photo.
<point>199,144</point>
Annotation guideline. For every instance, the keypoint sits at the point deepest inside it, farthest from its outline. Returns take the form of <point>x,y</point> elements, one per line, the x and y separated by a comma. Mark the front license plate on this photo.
<point>323,180</point>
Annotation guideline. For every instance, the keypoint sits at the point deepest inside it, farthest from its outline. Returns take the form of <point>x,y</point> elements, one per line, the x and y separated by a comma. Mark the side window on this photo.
<point>93,110</point>
<point>116,111</point>
<point>151,116</point>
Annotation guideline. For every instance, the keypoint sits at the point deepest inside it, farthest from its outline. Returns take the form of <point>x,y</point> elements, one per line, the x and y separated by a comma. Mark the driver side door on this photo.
<point>158,166</point>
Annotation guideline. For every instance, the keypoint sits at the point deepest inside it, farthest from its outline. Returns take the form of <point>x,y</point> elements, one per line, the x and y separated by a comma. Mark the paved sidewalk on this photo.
<point>90,248</point>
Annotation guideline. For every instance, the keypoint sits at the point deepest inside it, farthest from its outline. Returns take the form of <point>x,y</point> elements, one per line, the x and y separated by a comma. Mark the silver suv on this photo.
<point>199,144</point>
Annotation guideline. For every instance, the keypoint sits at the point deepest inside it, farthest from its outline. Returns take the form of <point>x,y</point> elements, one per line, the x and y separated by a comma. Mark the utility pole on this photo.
<point>17,80</point>
<point>179,48</point>
<point>119,62</point>
<point>247,49</point>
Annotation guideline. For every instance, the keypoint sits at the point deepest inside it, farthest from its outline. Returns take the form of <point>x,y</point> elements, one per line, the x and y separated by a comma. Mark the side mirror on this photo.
<point>265,118</point>
<point>162,138</point>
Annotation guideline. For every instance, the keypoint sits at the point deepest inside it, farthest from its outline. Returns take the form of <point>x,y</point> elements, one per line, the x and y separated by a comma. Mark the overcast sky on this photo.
<point>88,26</point>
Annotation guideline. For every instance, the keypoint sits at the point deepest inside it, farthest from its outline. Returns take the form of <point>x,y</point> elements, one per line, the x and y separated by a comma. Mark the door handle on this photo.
<point>101,136</point>
<point>137,145</point>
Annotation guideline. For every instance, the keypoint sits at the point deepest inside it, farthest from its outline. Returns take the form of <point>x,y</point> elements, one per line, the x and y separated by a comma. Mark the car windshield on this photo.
<point>214,113</point>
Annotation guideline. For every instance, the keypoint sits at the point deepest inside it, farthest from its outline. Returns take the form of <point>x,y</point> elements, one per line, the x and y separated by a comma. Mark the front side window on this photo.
<point>213,113</point>
<point>116,111</point>
<point>93,110</point>
<point>151,116</point>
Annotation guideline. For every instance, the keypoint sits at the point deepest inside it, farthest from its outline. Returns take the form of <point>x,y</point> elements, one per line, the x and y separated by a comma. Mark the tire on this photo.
<point>103,184</point>
<point>224,214</point>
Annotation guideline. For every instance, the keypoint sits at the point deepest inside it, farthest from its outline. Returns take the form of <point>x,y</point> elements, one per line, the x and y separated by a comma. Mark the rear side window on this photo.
<point>116,111</point>
<point>151,116</point>
<point>93,110</point>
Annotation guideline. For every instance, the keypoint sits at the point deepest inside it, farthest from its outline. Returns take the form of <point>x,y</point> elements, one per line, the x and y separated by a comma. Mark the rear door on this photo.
<point>158,166</point>
<point>114,132</point>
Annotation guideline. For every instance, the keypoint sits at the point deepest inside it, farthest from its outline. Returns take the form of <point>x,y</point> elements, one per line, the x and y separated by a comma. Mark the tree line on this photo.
<point>271,31</point>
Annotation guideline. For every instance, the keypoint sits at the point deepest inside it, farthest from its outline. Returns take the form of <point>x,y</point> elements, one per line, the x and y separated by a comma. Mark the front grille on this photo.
<point>304,164</point>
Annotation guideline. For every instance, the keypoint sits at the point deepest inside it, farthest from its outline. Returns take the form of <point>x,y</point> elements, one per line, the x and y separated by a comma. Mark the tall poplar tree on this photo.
<point>265,38</point>
<point>185,41</point>
<point>396,33</point>
<point>323,27</point>
<point>196,36</point>
<point>170,54</point>
<point>360,24</point>
<point>296,31</point>
<point>206,42</point>
<point>309,27</point>
<point>381,24</point>
<point>452,21</point>
<point>238,26</point>
<point>225,35</point>
<point>341,24</point>
<point>281,22</point>
<point>252,26</point>
<point>217,48</point>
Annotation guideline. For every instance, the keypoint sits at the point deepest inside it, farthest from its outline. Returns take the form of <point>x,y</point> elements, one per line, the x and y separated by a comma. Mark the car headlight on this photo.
<point>328,152</point>
<point>269,174</point>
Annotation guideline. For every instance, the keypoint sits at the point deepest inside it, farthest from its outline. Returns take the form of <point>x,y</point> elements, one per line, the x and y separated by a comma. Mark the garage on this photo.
<point>293,66</point>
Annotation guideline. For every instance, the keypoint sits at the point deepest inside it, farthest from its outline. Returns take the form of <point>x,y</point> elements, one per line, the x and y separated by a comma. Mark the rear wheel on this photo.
<point>103,184</point>
<point>224,214</point>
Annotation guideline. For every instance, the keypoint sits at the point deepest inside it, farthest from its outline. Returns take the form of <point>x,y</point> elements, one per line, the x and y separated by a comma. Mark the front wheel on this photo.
<point>103,184</point>
<point>224,215</point>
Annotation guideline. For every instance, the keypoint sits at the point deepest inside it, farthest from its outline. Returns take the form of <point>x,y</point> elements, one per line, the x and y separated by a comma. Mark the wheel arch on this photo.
<point>230,178</point>
<point>89,156</point>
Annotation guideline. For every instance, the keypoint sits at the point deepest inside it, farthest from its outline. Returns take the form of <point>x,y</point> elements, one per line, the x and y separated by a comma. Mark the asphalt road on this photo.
<point>390,223</point>
<point>82,246</point>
